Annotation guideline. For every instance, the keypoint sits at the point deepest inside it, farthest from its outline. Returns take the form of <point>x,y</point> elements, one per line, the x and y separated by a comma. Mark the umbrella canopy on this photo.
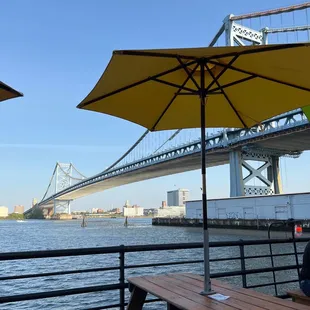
<point>252,85</point>
<point>203,87</point>
<point>7,92</point>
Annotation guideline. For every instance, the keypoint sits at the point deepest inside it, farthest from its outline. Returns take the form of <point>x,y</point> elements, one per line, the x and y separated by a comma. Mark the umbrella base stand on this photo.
<point>207,283</point>
<point>205,293</point>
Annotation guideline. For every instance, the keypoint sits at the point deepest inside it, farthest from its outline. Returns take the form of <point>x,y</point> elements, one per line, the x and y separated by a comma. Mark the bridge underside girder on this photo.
<point>182,164</point>
<point>291,140</point>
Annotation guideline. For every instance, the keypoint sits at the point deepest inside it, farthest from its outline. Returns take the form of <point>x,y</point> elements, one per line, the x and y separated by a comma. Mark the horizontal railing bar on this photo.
<point>252,271</point>
<point>58,253</point>
<point>96,251</point>
<point>26,276</point>
<point>271,255</point>
<point>251,257</point>
<point>273,283</point>
<point>59,293</point>
<point>127,267</point>
<point>138,248</point>
<point>164,264</point>
<point>58,273</point>
<point>216,244</point>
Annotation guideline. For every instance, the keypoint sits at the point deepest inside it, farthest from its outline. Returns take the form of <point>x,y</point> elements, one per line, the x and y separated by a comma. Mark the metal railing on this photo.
<point>121,285</point>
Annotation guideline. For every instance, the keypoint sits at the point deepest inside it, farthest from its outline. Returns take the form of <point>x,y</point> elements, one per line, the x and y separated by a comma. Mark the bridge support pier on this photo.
<point>246,180</point>
<point>62,206</point>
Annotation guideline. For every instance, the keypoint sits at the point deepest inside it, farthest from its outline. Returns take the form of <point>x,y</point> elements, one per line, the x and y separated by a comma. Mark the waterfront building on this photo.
<point>151,211</point>
<point>115,211</point>
<point>4,211</point>
<point>94,210</point>
<point>79,212</point>
<point>19,209</point>
<point>177,211</point>
<point>177,197</point>
<point>132,210</point>
<point>279,207</point>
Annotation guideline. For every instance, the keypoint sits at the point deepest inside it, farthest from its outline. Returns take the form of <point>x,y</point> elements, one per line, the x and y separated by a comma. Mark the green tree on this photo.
<point>37,213</point>
<point>14,216</point>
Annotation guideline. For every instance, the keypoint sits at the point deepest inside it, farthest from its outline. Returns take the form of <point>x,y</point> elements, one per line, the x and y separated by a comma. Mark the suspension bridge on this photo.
<point>157,154</point>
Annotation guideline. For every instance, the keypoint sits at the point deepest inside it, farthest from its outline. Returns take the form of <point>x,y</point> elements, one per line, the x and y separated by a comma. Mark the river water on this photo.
<point>47,235</point>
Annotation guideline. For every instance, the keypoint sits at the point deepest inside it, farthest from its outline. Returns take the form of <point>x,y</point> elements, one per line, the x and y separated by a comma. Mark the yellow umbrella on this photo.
<point>203,87</point>
<point>7,92</point>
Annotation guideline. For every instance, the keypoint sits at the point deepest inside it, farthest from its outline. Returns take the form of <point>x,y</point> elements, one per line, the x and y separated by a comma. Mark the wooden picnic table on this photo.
<point>182,291</point>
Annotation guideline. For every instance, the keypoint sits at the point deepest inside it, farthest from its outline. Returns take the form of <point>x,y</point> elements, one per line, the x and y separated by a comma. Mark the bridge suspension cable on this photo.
<point>282,10</point>
<point>50,183</point>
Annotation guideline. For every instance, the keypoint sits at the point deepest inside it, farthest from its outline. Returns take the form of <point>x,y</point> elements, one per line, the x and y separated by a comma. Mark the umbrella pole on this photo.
<point>207,283</point>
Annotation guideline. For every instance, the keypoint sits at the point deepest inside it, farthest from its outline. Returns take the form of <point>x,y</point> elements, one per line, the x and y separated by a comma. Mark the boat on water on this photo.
<point>20,221</point>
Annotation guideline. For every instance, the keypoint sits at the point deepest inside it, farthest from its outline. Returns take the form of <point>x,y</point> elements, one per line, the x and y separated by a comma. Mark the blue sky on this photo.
<point>55,51</point>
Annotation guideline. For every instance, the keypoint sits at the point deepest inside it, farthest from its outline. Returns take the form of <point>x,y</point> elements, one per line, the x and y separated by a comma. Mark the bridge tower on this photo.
<point>64,176</point>
<point>243,172</point>
<point>63,179</point>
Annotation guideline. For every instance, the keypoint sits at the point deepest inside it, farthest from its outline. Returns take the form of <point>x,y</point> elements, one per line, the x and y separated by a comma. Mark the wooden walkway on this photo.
<point>182,291</point>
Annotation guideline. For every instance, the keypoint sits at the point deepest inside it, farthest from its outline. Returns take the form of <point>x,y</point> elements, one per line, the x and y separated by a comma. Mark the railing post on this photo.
<point>242,261</point>
<point>122,276</point>
<point>295,251</point>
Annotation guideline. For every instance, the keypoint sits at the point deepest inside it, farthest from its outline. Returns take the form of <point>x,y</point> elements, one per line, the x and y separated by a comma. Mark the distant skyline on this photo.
<point>54,52</point>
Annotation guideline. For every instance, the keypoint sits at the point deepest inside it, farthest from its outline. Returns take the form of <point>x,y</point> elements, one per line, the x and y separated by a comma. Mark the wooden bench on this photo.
<point>182,291</point>
<point>299,297</point>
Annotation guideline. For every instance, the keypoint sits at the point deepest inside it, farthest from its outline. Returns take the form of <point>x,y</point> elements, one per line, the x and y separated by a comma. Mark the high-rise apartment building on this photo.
<point>19,209</point>
<point>177,197</point>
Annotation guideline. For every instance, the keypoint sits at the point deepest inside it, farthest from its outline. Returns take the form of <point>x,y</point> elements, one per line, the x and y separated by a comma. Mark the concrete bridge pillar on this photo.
<point>247,180</point>
<point>62,206</point>
<point>236,178</point>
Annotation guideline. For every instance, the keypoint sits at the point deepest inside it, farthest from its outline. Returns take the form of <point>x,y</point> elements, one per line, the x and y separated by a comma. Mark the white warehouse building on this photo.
<point>178,211</point>
<point>280,207</point>
<point>133,211</point>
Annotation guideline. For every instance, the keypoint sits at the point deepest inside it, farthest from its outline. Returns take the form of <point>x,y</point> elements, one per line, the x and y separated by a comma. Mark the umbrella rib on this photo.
<point>195,94</point>
<point>134,84</point>
<point>188,73</point>
<point>154,54</point>
<point>226,97</point>
<point>259,75</point>
<point>174,97</point>
<point>216,56</point>
<point>221,73</point>
<point>175,85</point>
<point>260,50</point>
<point>232,84</point>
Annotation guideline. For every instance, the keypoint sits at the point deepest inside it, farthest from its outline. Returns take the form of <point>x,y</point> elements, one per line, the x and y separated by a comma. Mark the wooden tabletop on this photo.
<point>182,291</point>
